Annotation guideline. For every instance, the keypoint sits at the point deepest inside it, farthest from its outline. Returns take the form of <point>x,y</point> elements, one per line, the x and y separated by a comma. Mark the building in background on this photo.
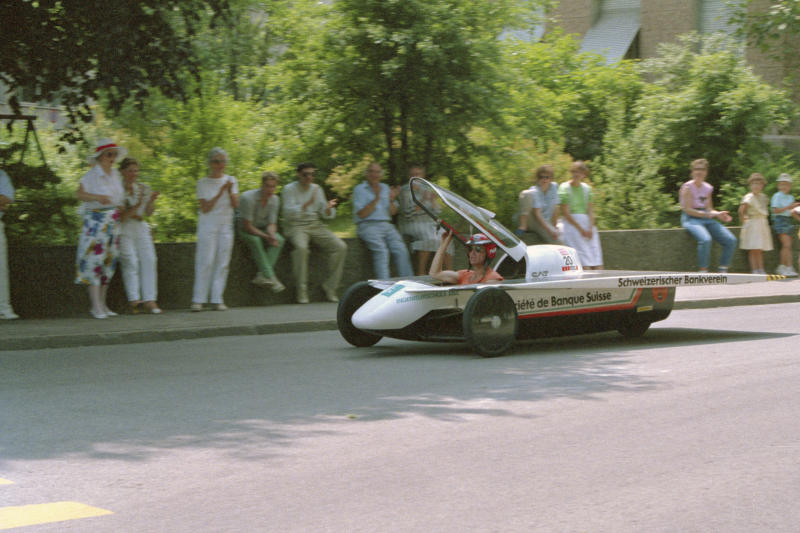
<point>633,29</point>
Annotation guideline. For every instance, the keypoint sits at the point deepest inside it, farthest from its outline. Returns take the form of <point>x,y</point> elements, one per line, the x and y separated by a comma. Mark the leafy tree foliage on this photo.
<point>628,185</point>
<point>408,79</point>
<point>774,28</point>
<point>71,51</point>
<point>704,101</point>
<point>560,95</point>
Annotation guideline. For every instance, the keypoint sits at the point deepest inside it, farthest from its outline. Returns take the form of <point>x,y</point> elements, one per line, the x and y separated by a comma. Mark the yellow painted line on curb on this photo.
<point>6,481</point>
<point>45,513</point>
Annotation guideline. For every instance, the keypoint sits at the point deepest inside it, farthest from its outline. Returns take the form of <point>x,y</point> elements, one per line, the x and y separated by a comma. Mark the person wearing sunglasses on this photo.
<point>304,207</point>
<point>538,209</point>
<point>480,252</point>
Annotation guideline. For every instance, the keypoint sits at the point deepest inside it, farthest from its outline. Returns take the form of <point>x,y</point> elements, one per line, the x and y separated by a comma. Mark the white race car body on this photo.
<point>546,292</point>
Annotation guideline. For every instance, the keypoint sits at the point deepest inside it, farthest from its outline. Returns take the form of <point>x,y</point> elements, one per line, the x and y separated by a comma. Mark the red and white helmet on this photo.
<point>480,239</point>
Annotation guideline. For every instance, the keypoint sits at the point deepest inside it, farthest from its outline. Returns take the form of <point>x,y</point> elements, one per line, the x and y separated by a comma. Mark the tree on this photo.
<point>557,94</point>
<point>407,79</point>
<point>772,27</point>
<point>704,101</point>
<point>73,51</point>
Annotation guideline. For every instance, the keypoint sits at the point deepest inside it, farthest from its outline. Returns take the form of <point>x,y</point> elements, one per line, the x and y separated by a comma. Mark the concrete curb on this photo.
<point>134,337</point>
<point>173,334</point>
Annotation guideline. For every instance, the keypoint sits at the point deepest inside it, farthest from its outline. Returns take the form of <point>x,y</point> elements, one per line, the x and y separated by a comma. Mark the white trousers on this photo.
<point>5,304</point>
<point>589,250</point>
<point>137,254</point>
<point>212,257</point>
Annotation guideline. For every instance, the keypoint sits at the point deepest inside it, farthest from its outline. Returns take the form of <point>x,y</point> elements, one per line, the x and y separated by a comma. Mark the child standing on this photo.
<point>782,205</point>
<point>755,236</point>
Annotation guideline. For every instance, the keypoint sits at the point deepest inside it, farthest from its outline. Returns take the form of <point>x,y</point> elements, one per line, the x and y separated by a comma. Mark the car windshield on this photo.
<point>464,217</point>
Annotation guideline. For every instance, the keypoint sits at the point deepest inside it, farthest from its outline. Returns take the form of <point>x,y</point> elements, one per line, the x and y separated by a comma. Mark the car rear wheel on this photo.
<point>490,322</point>
<point>354,297</point>
<point>633,328</point>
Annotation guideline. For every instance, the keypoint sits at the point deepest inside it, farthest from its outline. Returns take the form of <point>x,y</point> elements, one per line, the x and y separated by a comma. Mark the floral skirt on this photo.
<point>98,247</point>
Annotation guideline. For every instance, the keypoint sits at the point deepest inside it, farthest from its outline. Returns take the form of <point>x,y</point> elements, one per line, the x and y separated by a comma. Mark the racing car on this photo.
<point>545,291</point>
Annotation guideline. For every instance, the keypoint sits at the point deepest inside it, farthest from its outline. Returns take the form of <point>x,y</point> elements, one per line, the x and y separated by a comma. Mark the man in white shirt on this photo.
<point>6,197</point>
<point>303,207</point>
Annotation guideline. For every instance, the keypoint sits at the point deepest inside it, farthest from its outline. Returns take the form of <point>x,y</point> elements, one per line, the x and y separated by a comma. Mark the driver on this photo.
<point>480,251</point>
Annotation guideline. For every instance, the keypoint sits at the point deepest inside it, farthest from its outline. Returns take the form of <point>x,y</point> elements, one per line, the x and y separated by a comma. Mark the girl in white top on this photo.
<point>218,197</point>
<point>136,250</point>
<point>755,236</point>
<point>101,193</point>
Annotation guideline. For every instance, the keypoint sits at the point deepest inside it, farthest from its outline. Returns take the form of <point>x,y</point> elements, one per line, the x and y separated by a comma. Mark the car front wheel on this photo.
<point>353,298</point>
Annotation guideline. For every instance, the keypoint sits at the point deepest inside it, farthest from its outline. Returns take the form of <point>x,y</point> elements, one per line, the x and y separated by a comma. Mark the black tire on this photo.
<point>354,297</point>
<point>633,328</point>
<point>490,322</point>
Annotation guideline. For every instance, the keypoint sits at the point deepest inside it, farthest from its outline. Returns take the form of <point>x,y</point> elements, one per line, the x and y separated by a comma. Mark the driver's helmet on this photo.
<point>480,239</point>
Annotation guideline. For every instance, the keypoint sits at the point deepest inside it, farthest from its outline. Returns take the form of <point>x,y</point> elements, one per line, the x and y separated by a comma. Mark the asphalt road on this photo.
<point>693,428</point>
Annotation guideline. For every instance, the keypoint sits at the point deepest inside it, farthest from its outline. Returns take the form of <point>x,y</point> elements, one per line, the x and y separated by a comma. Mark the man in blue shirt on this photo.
<point>6,197</point>
<point>374,205</point>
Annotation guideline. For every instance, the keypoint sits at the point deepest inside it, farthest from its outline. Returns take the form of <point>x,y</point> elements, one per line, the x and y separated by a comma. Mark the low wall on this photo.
<point>42,277</point>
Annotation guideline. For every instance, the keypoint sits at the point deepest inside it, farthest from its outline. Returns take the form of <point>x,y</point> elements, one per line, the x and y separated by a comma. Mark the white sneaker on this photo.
<point>790,272</point>
<point>302,294</point>
<point>8,315</point>
<point>277,286</point>
<point>781,270</point>
<point>261,280</point>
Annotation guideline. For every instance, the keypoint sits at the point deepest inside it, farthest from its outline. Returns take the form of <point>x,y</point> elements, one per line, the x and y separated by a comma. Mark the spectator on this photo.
<point>754,212</point>
<point>136,251</point>
<point>416,224</point>
<point>374,205</point>
<point>538,209</point>
<point>480,252</point>
<point>578,227</point>
<point>218,196</point>
<point>699,216</point>
<point>6,197</point>
<point>258,228</point>
<point>304,208</point>
<point>783,205</point>
<point>101,193</point>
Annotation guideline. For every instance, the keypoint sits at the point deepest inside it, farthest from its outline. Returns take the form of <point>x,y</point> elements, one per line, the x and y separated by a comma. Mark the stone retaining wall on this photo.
<point>42,277</point>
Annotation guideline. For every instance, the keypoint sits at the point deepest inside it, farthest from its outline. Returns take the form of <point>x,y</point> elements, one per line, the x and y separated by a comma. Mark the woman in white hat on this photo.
<point>101,194</point>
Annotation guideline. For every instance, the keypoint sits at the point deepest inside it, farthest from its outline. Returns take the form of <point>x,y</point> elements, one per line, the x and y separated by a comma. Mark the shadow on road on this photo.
<point>252,399</point>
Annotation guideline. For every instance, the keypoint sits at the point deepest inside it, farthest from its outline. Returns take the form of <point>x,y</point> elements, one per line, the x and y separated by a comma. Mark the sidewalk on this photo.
<point>317,316</point>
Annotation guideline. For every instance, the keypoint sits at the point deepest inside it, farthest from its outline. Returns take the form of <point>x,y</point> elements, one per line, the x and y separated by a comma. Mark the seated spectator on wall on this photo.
<point>701,220</point>
<point>257,227</point>
<point>414,223</point>
<point>137,254</point>
<point>374,205</point>
<point>304,208</point>
<point>539,208</point>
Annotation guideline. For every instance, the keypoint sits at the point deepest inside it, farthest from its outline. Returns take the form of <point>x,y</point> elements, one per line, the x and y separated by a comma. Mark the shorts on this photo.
<point>782,224</point>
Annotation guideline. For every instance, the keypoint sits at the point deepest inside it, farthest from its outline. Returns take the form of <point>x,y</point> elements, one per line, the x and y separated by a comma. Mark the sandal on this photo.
<point>152,308</point>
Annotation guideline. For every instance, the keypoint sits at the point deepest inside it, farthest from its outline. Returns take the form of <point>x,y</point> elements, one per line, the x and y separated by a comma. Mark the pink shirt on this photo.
<point>700,195</point>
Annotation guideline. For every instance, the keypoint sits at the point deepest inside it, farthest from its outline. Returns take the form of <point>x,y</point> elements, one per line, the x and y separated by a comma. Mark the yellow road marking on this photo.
<point>6,481</point>
<point>45,513</point>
